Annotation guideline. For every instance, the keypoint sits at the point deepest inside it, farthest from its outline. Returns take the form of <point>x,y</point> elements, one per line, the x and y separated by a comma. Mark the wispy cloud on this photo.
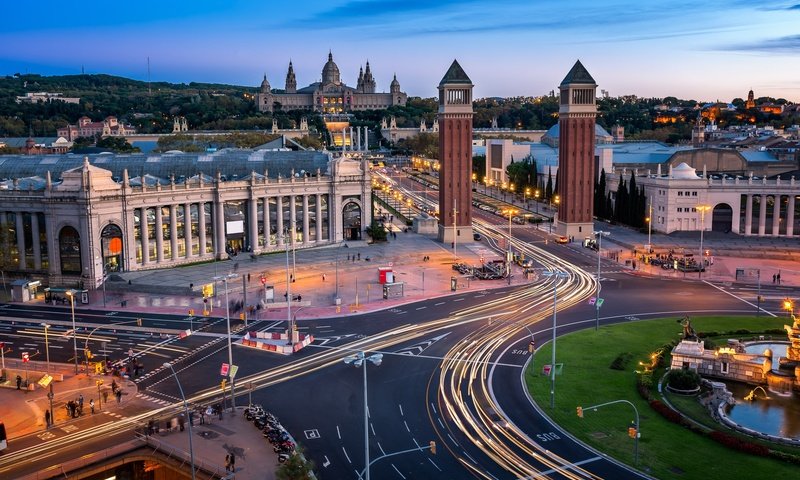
<point>787,44</point>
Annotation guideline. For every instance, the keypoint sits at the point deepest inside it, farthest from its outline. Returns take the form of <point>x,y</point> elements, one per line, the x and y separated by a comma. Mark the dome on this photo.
<point>265,85</point>
<point>395,83</point>
<point>330,72</point>
<point>684,172</point>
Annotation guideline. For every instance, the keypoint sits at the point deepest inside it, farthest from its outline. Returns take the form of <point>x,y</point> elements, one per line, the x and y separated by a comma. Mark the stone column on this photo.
<point>201,227</point>
<point>219,228</point>
<point>159,236</point>
<point>776,215</point>
<point>318,225</point>
<point>187,228</point>
<point>252,223</point>
<point>358,139</point>
<point>279,216</point>
<point>37,247</point>
<point>292,220</point>
<point>143,230</point>
<point>306,236</point>
<point>344,139</point>
<point>748,215</point>
<point>790,217</point>
<point>21,241</point>
<point>265,221</point>
<point>762,216</point>
<point>352,147</point>
<point>366,138</point>
<point>173,231</point>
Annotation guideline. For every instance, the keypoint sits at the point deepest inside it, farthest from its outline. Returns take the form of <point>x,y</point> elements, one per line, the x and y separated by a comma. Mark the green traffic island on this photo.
<point>677,435</point>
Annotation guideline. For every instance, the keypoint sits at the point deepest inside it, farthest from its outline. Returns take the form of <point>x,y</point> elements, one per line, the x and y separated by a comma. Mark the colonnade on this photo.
<point>761,228</point>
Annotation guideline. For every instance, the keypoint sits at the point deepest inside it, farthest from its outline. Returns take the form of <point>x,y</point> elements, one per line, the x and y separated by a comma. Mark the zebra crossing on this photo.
<point>156,400</point>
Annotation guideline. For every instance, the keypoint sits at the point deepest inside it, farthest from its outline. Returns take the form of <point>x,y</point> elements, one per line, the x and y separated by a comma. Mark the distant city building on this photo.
<point>46,97</point>
<point>751,101</point>
<point>36,145</point>
<point>110,127</point>
<point>330,95</point>
<point>391,132</point>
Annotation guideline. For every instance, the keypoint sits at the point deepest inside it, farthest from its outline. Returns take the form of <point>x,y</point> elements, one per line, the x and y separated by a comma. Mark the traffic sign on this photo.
<point>233,370</point>
<point>592,300</point>
<point>224,370</point>
<point>599,302</point>
<point>25,357</point>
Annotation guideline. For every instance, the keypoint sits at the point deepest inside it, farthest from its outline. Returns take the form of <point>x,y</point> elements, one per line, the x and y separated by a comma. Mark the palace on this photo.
<point>330,95</point>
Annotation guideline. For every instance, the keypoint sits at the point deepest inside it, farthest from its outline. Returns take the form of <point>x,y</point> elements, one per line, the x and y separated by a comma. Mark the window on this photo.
<point>680,194</point>
<point>725,367</point>
<point>694,194</point>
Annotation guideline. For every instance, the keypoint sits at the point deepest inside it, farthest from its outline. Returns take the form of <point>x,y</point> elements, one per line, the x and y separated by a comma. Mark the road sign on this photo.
<point>599,302</point>
<point>25,357</point>
<point>224,370</point>
<point>263,279</point>
<point>592,300</point>
<point>208,290</point>
<point>233,370</point>
<point>546,370</point>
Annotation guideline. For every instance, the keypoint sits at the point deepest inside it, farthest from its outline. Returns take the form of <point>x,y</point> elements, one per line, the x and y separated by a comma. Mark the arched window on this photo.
<point>111,245</point>
<point>69,245</point>
<point>351,221</point>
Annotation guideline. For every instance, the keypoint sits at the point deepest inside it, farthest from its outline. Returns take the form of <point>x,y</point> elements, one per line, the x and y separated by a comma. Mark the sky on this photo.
<point>703,50</point>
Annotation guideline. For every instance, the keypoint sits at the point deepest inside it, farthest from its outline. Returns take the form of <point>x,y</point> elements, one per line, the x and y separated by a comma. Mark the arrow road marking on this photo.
<point>420,347</point>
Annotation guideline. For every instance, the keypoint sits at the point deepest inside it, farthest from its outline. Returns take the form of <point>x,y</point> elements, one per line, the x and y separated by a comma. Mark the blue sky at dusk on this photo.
<point>717,49</point>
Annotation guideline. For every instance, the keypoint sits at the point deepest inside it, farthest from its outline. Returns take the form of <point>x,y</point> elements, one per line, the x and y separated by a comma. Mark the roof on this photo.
<point>599,131</point>
<point>578,74</point>
<point>758,156</point>
<point>19,142</point>
<point>455,74</point>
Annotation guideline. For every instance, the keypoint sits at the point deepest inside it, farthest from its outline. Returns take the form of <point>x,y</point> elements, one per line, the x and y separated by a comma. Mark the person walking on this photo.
<point>323,277</point>
<point>233,462</point>
<point>47,418</point>
<point>227,462</point>
<point>80,401</point>
<point>91,405</point>
<point>119,395</point>
<point>19,380</point>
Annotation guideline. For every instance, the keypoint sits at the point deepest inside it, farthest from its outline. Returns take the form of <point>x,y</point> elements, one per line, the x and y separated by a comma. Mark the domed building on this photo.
<point>330,95</point>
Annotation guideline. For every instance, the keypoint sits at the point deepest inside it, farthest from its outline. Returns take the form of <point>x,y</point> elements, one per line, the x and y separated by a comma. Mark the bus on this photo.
<point>3,438</point>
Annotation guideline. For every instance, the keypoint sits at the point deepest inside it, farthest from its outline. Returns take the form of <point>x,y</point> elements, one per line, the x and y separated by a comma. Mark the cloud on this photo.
<point>787,44</point>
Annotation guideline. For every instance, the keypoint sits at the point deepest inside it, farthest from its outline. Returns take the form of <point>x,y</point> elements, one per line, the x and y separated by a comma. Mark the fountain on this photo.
<point>751,397</point>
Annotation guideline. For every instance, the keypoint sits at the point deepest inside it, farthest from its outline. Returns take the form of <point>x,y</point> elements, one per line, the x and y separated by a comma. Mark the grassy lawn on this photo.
<point>666,450</point>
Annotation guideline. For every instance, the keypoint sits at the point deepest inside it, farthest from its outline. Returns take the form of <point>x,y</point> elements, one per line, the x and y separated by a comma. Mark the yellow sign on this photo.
<point>208,290</point>
<point>45,380</point>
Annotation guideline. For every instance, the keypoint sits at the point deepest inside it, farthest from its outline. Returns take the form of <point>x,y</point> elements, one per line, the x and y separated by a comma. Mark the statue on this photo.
<point>688,331</point>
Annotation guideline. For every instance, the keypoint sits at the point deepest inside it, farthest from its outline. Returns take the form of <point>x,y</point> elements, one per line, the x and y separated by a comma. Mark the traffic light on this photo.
<point>241,316</point>
<point>632,432</point>
<point>433,447</point>
<point>222,384</point>
<point>139,322</point>
<point>580,412</point>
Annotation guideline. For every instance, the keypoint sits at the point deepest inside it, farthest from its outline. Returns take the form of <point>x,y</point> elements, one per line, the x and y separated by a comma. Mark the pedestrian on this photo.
<point>47,418</point>
<point>779,277</point>
<point>19,382</point>
<point>634,264</point>
<point>348,257</point>
<point>233,462</point>
<point>91,405</point>
<point>227,462</point>
<point>291,277</point>
<point>359,255</point>
<point>80,401</point>
<point>105,396</point>
<point>181,422</point>
<point>354,259</point>
<point>119,395</point>
<point>202,416</point>
<point>323,277</point>
<point>774,277</point>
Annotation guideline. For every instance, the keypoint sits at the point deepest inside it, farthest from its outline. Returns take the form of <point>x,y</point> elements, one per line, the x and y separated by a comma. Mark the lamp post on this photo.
<point>47,344</point>
<point>225,279</point>
<point>556,275</point>
<point>597,302</point>
<point>510,212</point>
<point>186,411</point>
<point>650,226</point>
<point>536,195</point>
<point>71,295</point>
<point>337,300</point>
<point>702,209</point>
<point>360,360</point>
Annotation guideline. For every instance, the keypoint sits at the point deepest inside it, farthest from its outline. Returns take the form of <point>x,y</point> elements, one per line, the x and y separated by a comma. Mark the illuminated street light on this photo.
<point>556,274</point>
<point>702,209</point>
<point>186,411</point>
<point>360,360</point>
<point>225,279</point>
<point>597,301</point>
<point>71,295</point>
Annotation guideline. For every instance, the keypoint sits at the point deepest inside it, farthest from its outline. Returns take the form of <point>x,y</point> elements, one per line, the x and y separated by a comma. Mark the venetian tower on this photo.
<point>576,166</point>
<point>455,156</point>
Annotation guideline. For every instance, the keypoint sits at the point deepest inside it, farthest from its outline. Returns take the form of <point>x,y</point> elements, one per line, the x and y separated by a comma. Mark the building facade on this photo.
<point>97,217</point>
<point>330,95</point>
<point>576,144</point>
<point>455,156</point>
<point>110,127</point>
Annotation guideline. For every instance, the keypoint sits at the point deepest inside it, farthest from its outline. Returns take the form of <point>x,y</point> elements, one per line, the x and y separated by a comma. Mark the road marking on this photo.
<point>401,409</point>
<point>440,422</point>
<point>571,465</point>
<point>434,464</point>
<point>338,433</point>
<point>46,435</point>
<point>398,471</point>
<point>421,308</point>
<point>346,455</point>
<point>312,434</point>
<point>380,447</point>
<point>437,304</point>
<point>452,439</point>
<point>458,300</point>
<point>326,462</point>
<point>738,298</point>
<point>406,424</point>
<point>433,407</point>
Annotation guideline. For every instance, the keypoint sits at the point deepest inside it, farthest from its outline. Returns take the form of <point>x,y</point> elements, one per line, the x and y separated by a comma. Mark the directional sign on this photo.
<point>592,300</point>
<point>420,347</point>
<point>25,357</point>
<point>234,369</point>
<point>224,370</point>
<point>599,302</point>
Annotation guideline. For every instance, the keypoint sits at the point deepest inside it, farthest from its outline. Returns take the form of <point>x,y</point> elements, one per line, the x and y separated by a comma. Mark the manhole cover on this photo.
<point>208,434</point>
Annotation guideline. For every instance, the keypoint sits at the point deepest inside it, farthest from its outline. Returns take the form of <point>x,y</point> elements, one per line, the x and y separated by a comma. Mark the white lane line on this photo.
<point>738,298</point>
<point>434,464</point>
<point>372,427</point>
<point>338,434</point>
<point>452,439</point>
<point>433,407</point>
<point>420,308</point>
<point>437,304</point>
<point>406,424</point>
<point>440,422</point>
<point>381,449</point>
<point>415,442</point>
<point>346,455</point>
<point>401,409</point>
<point>570,465</point>
<point>467,455</point>
<point>458,300</point>
<point>398,471</point>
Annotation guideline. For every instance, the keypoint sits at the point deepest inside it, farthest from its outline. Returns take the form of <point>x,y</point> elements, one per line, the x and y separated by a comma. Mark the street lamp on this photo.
<point>597,301</point>
<point>186,411</point>
<point>338,300</point>
<point>225,279</point>
<point>536,195</point>
<point>510,212</point>
<point>702,209</point>
<point>71,295</point>
<point>649,220</point>
<point>360,360</point>
<point>47,344</point>
<point>556,274</point>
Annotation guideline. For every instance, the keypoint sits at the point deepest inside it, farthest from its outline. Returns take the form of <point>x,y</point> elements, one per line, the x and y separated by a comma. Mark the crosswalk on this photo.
<point>156,400</point>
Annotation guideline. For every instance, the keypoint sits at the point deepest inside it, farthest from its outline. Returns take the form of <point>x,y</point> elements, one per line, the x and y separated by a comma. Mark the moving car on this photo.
<point>562,239</point>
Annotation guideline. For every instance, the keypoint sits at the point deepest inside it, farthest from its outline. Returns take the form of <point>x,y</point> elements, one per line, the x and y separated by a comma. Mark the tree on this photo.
<point>548,190</point>
<point>296,467</point>
<point>117,144</point>
<point>310,141</point>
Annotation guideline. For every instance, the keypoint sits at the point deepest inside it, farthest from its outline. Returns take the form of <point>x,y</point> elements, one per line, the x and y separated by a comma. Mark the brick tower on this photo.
<point>576,165</point>
<point>455,156</point>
